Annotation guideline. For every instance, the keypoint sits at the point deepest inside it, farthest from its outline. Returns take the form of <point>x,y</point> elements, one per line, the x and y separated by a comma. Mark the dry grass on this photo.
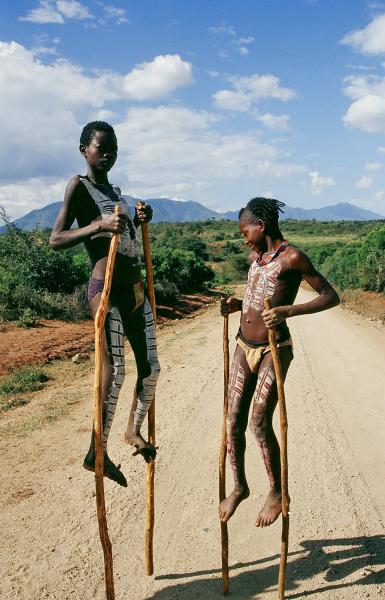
<point>368,304</point>
<point>49,404</point>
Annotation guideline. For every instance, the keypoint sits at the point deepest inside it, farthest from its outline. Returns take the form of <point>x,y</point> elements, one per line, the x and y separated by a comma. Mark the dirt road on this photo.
<point>335,394</point>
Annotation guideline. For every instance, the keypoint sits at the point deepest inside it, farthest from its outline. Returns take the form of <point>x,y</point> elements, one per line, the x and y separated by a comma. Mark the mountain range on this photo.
<point>173,211</point>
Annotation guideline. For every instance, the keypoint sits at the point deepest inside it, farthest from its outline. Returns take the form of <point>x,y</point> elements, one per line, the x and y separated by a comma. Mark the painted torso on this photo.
<point>95,205</point>
<point>273,280</point>
<point>261,283</point>
<point>129,245</point>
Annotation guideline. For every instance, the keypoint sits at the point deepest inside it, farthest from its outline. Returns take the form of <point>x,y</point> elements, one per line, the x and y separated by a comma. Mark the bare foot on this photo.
<point>270,510</point>
<point>109,470</point>
<point>147,450</point>
<point>229,505</point>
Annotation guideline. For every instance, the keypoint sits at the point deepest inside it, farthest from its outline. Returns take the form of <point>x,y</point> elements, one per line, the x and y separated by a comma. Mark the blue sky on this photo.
<point>213,101</point>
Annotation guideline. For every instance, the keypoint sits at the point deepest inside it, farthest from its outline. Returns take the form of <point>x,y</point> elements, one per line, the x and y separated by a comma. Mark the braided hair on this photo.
<point>266,210</point>
<point>91,128</point>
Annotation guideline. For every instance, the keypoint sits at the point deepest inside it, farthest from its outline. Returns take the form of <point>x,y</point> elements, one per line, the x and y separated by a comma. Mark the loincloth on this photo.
<point>254,354</point>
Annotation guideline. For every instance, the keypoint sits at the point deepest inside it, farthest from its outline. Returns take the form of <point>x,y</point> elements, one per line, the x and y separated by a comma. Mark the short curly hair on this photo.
<point>91,128</point>
<point>266,210</point>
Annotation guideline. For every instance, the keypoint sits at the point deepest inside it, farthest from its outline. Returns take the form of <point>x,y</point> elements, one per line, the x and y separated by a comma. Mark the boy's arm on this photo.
<point>327,296</point>
<point>62,237</point>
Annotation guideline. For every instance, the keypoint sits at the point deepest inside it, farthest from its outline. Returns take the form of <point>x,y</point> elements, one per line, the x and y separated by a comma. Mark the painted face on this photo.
<point>253,235</point>
<point>101,152</point>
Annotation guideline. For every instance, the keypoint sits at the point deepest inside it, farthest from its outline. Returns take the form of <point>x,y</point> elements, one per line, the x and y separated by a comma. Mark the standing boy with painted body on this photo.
<point>276,273</point>
<point>91,201</point>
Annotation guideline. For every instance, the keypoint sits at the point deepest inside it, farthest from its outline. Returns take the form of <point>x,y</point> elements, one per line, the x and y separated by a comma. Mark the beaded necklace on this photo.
<point>263,260</point>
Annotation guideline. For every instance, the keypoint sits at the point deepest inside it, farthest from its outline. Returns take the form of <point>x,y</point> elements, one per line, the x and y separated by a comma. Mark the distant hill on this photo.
<point>173,211</point>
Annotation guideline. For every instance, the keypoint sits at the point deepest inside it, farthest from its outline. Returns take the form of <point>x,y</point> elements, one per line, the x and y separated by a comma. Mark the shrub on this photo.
<point>342,267</point>
<point>371,261</point>
<point>196,245</point>
<point>165,292</point>
<point>36,281</point>
<point>232,248</point>
<point>180,267</point>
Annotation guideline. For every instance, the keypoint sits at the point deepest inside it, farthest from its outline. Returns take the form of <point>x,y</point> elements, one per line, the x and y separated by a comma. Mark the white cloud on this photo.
<point>318,182</point>
<point>232,100</point>
<point>367,114</point>
<point>71,9</point>
<point>19,198</point>
<point>275,122</point>
<point>373,166</point>
<point>177,151</point>
<point>247,40</point>
<point>50,11</point>
<point>60,96</point>
<point>223,29</point>
<point>234,44</point>
<point>45,13</point>
<point>381,149</point>
<point>370,39</point>
<point>168,150</point>
<point>379,196</point>
<point>359,67</point>
<point>119,15</point>
<point>157,78</point>
<point>359,86</point>
<point>365,182</point>
<point>247,91</point>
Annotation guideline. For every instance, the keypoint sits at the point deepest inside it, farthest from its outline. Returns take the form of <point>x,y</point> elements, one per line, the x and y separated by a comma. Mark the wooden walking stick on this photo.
<point>98,418</point>
<point>283,454</point>
<point>222,459</point>
<point>150,478</point>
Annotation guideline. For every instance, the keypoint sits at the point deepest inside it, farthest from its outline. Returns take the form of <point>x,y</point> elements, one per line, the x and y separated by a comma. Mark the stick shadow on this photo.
<point>339,561</point>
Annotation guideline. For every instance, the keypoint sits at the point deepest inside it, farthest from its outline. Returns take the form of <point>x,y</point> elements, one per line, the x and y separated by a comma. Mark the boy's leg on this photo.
<point>140,330</point>
<point>112,381</point>
<point>261,424</point>
<point>241,387</point>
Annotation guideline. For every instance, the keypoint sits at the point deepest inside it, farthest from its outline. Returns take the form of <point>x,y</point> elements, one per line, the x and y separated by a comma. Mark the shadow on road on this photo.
<point>340,562</point>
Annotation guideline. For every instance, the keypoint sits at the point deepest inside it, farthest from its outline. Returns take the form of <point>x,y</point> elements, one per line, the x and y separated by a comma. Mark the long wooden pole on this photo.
<point>98,418</point>
<point>150,477</point>
<point>222,458</point>
<point>284,461</point>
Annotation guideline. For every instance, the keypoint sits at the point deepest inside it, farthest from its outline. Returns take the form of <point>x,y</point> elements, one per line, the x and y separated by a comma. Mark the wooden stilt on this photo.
<point>150,476</point>
<point>222,459</point>
<point>284,461</point>
<point>100,318</point>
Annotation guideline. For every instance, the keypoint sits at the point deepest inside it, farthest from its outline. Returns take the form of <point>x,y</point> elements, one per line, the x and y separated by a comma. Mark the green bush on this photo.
<point>341,268</point>
<point>371,261</point>
<point>36,281</point>
<point>29,258</point>
<point>232,247</point>
<point>165,292</point>
<point>180,267</point>
<point>195,245</point>
<point>318,253</point>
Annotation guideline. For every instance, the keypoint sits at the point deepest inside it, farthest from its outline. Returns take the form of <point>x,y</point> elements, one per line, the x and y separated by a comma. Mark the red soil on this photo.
<point>53,340</point>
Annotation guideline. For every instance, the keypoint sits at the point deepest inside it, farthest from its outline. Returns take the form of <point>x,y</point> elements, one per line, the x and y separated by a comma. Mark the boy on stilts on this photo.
<point>276,272</point>
<point>91,200</point>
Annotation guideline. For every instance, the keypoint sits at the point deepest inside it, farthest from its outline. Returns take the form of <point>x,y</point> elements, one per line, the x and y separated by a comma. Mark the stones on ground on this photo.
<point>80,357</point>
